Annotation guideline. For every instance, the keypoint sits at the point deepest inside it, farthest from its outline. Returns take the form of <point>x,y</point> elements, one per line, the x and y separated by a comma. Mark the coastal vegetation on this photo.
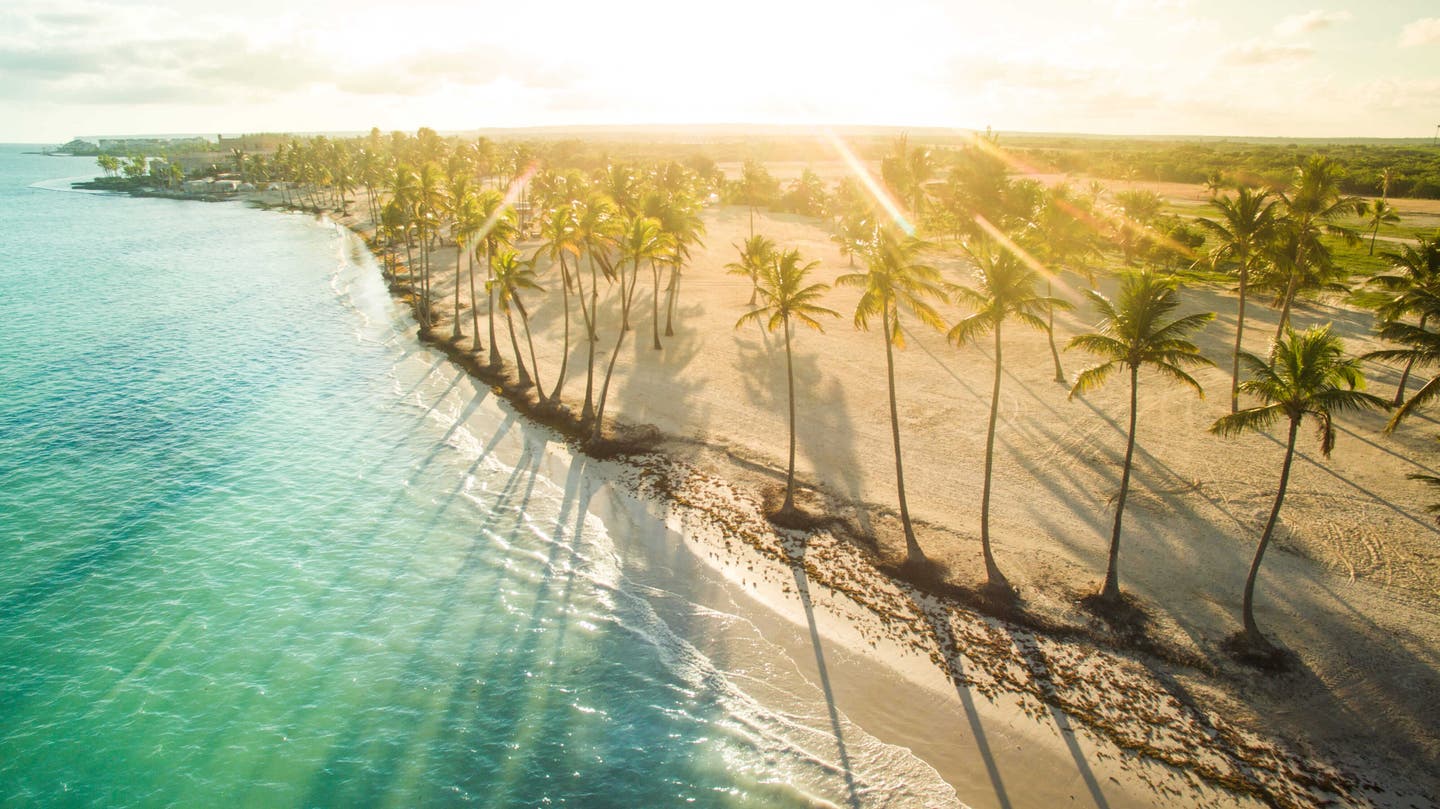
<point>546,220</point>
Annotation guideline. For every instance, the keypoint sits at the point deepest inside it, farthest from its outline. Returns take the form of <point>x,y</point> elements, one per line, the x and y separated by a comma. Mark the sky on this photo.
<point>1171,67</point>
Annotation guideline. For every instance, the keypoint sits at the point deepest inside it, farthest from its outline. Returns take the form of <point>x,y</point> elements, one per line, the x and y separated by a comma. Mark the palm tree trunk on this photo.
<point>565,340</point>
<point>521,374</point>
<point>455,327</point>
<point>495,361</point>
<point>672,294</point>
<point>534,363</point>
<point>993,576</point>
<point>1405,375</point>
<point>1111,591</point>
<point>913,553</point>
<point>1373,234</point>
<point>1252,630</point>
<point>1239,336</point>
<point>1050,332</point>
<point>591,338</point>
<point>789,507</point>
<point>424,281</point>
<point>655,304</point>
<point>409,264</point>
<point>1285,306</point>
<point>476,346</point>
<point>614,355</point>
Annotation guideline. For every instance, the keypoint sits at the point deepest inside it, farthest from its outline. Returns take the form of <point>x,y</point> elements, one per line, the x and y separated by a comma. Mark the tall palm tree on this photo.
<point>895,281</point>
<point>756,254</point>
<point>1412,287</point>
<point>756,187</point>
<point>643,242</point>
<point>557,231</point>
<point>513,274</point>
<point>1377,213</point>
<point>596,226</point>
<point>1311,205</point>
<point>1245,227</point>
<point>1135,332</point>
<point>683,226</point>
<point>464,223</point>
<point>788,297</point>
<point>1307,374</point>
<point>1062,234</point>
<point>1004,289</point>
<point>498,229</point>
<point>430,203</point>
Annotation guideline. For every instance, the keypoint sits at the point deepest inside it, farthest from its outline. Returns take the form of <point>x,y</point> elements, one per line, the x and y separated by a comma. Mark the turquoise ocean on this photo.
<point>260,547</point>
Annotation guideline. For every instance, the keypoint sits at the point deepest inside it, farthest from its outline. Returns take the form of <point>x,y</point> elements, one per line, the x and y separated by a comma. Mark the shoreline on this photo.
<point>1204,761</point>
<point>1176,749</point>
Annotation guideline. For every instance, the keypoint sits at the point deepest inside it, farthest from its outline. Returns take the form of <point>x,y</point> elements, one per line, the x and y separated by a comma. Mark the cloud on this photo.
<point>1264,52</point>
<point>1421,32</point>
<point>1309,22</point>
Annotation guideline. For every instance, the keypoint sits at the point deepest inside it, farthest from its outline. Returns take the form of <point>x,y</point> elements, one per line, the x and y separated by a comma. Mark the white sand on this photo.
<point>1353,586</point>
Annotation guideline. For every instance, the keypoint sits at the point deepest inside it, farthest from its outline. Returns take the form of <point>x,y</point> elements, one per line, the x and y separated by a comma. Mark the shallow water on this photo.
<point>260,547</point>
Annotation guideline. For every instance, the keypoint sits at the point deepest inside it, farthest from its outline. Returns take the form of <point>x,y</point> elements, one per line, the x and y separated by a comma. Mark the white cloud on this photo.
<point>1309,21</point>
<point>1265,52</point>
<point>1421,32</point>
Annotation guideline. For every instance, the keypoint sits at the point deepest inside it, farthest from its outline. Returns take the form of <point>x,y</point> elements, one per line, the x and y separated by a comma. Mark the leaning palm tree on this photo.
<point>896,280</point>
<point>1133,333</point>
<point>1004,288</point>
<point>1245,227</point>
<point>756,253</point>
<point>513,274</point>
<point>1307,374</point>
<point>788,297</point>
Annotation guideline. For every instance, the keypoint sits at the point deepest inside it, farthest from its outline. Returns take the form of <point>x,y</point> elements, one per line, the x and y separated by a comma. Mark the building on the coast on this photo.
<point>261,143</point>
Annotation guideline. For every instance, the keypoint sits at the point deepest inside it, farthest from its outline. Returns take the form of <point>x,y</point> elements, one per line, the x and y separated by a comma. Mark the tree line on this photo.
<point>611,230</point>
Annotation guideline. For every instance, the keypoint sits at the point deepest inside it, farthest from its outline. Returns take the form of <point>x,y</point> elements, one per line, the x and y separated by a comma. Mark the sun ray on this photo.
<point>1025,256</point>
<point>868,181</point>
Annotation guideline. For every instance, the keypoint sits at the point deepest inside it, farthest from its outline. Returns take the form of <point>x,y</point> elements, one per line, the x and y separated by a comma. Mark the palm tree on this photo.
<point>1380,213</point>
<point>1062,234</point>
<point>464,223</point>
<point>1004,288</point>
<point>1311,205</point>
<point>643,241</point>
<point>1214,183</point>
<point>756,254</point>
<point>499,229</point>
<point>557,230</point>
<point>787,298</point>
<point>513,274</point>
<point>596,224</point>
<point>1307,374</point>
<point>756,187</point>
<point>896,280</point>
<point>430,202</point>
<point>1133,333</point>
<point>1247,223</point>
<point>679,220</point>
<point>1412,288</point>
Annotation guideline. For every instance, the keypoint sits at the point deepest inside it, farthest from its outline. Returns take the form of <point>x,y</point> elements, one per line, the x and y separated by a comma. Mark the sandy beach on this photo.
<point>1352,590</point>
